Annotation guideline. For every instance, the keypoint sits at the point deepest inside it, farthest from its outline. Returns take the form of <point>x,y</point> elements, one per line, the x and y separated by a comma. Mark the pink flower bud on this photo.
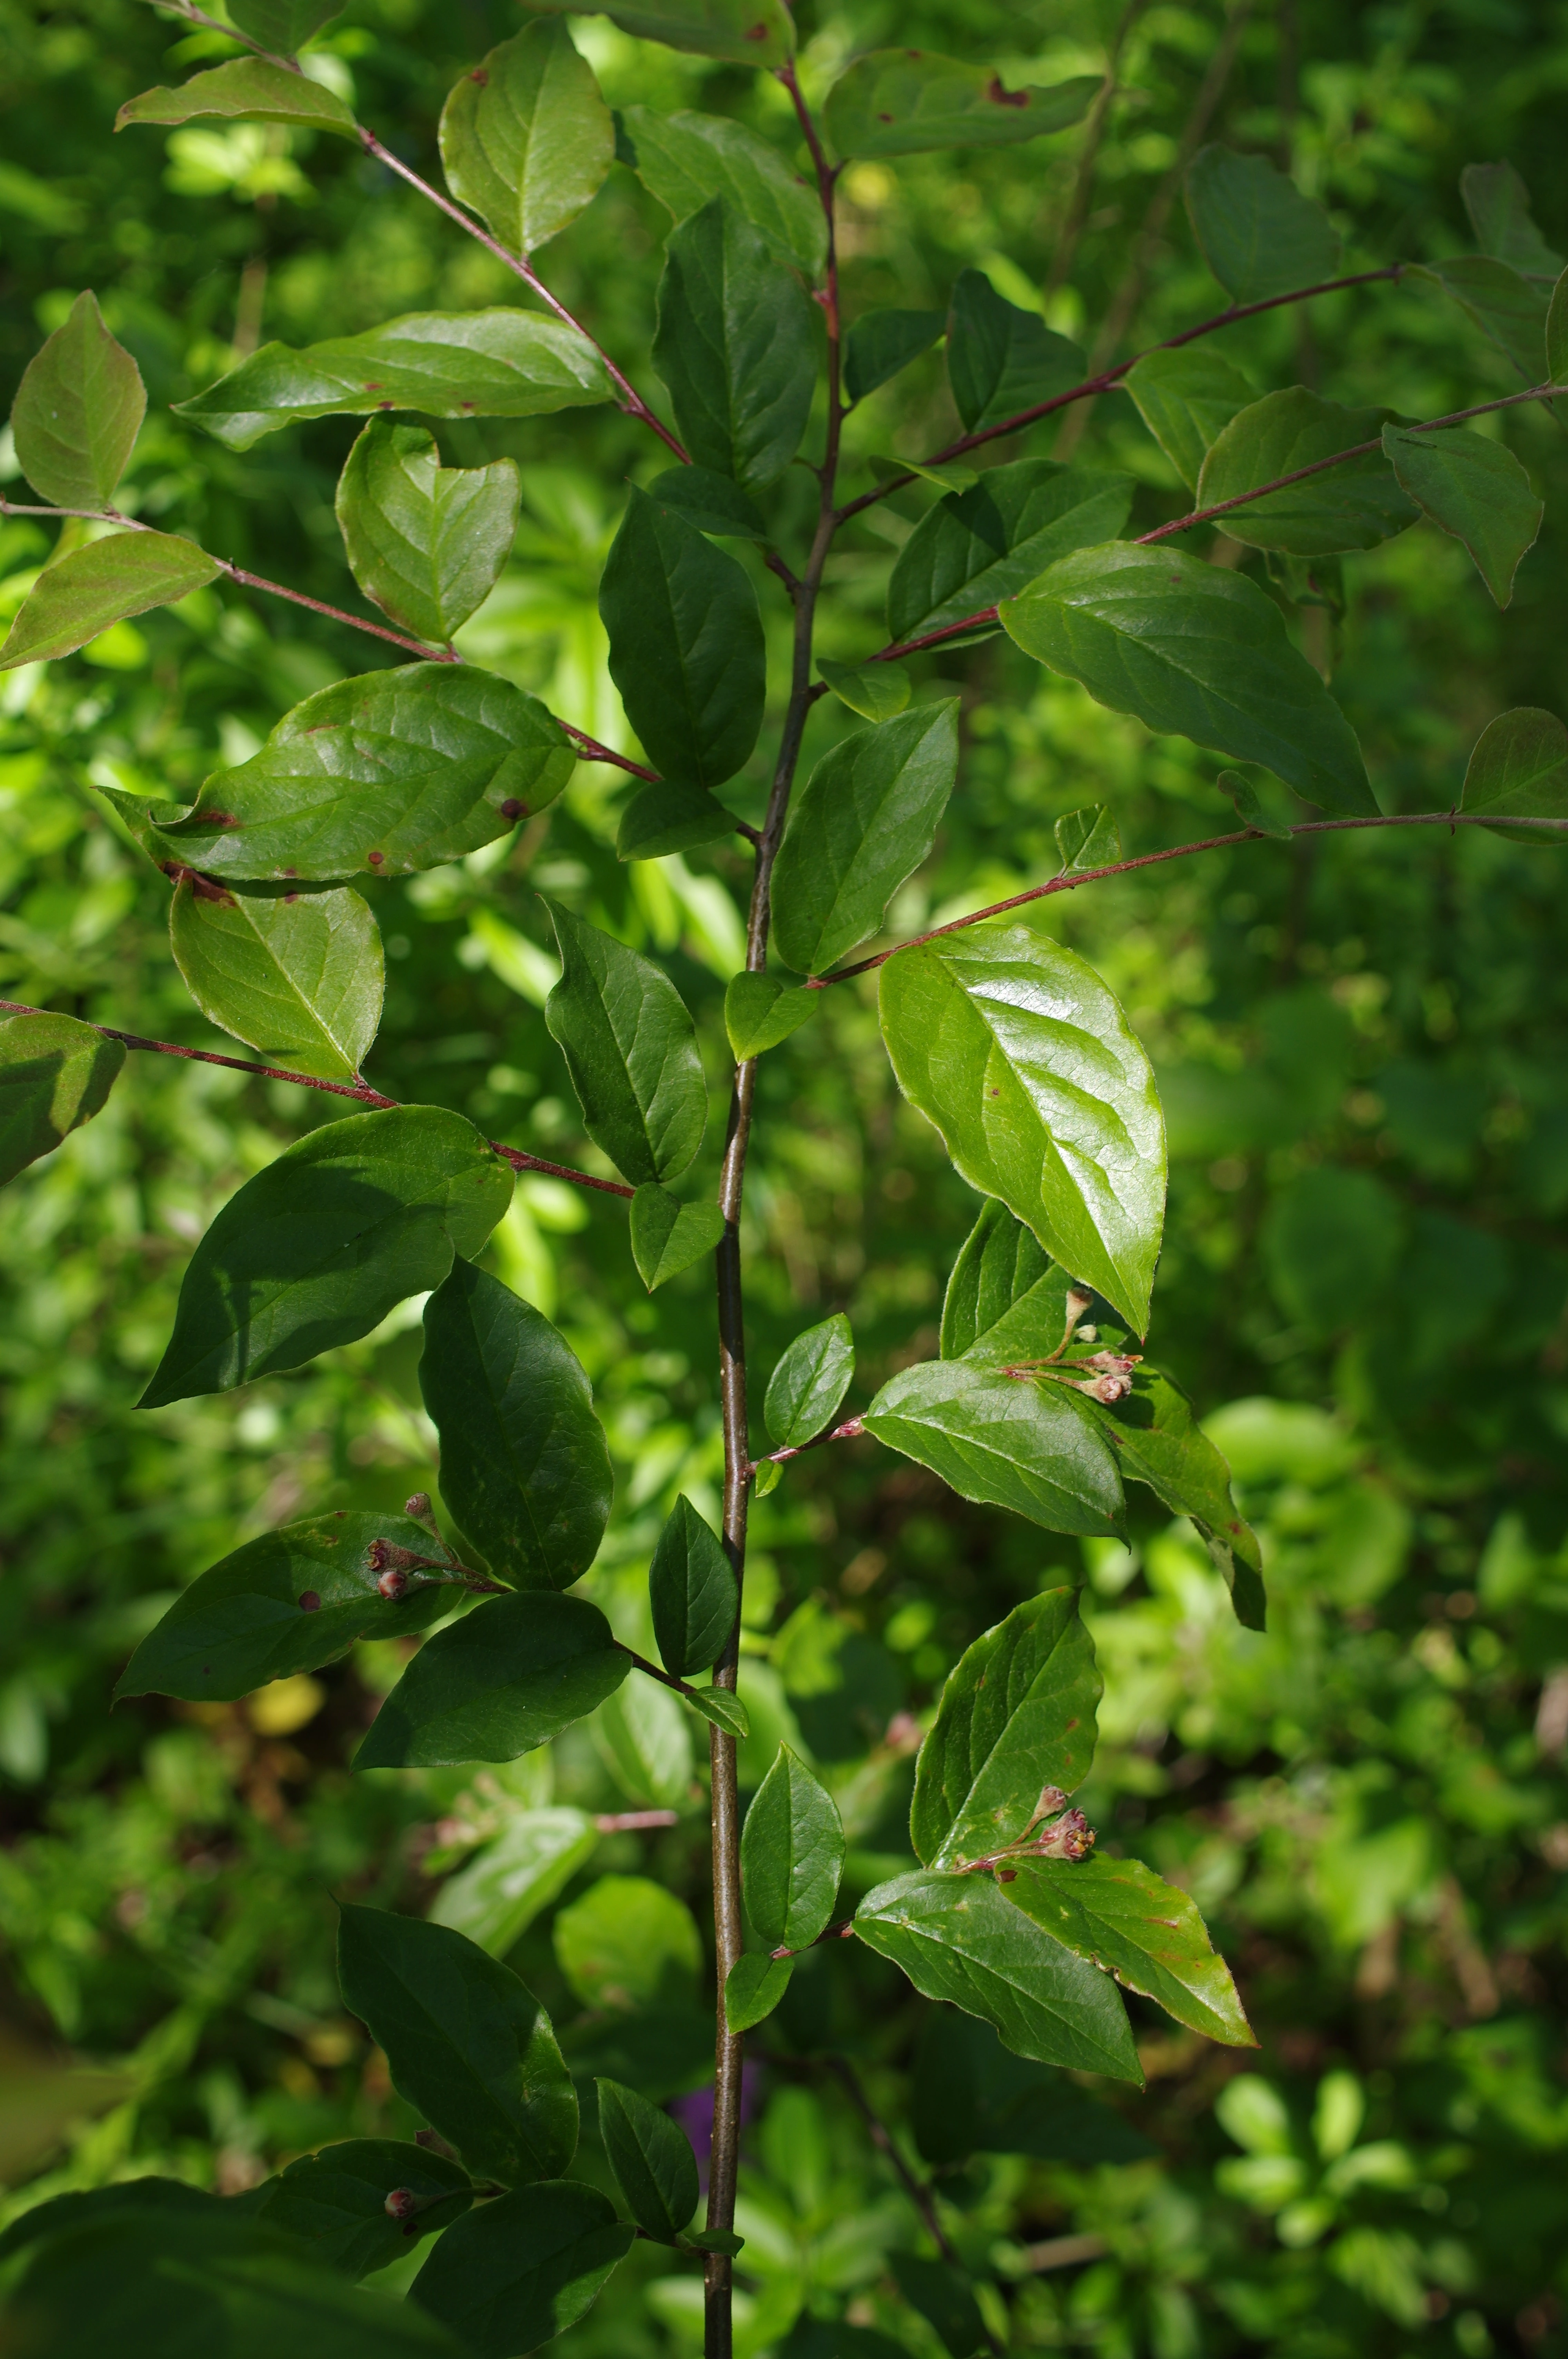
<point>1072,1837</point>
<point>400,2203</point>
<point>393,1584</point>
<point>419,1506</point>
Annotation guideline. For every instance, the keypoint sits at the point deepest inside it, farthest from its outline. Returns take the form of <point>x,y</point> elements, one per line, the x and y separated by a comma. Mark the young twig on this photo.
<point>845,1432</point>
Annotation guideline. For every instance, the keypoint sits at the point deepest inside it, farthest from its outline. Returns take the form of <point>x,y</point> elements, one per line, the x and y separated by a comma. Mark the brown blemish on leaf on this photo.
<point>999,95</point>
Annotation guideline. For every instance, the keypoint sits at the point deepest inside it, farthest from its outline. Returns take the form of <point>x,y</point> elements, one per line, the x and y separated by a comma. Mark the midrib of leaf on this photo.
<point>506,1439</point>
<point>291,988</point>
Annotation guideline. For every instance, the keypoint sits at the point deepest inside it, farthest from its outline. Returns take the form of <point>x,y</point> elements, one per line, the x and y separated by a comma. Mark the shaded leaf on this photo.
<point>760,1012</point>
<point>296,976</point>
<point>945,2299</point>
<point>526,139</point>
<point>650,2160</point>
<point>876,692</point>
<point>1146,1932</point>
<point>978,547</point>
<point>692,1592</point>
<point>503,1681</point>
<point>645,1740</point>
<point>77,411</point>
<point>1510,310</point>
<point>1474,489</point>
<point>245,89</point>
<point>509,2276</point>
<point>1001,360</point>
<point>54,1075</point>
<point>1258,234</point>
<point>907,102</point>
<point>1186,399</point>
<point>1249,811</point>
<point>792,1855</point>
<point>712,502</point>
<point>284,26</point>
<point>335,2201</point>
<point>628,1942</point>
<point>970,2096</point>
<point>1520,770</point>
<point>735,346</point>
<point>752,1988</point>
<point>1026,1447</point>
<point>686,644</point>
<point>879,343</point>
<point>425,542</point>
<point>78,598</point>
<point>1087,839</point>
<point>747,32</point>
<point>668,1236</point>
<point>1158,1441</point>
<point>806,1388</point>
<point>684,158</point>
<point>947,475</point>
<point>1499,206</point>
<point>630,1050</point>
<point>496,1896</point>
<point>1354,505</point>
<point>670,817</point>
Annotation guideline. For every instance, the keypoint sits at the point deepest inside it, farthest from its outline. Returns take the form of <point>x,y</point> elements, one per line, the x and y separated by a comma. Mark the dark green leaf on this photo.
<point>496,1896</point>
<point>1159,1441</point>
<point>1354,505</point>
<point>722,1709</point>
<point>747,32</point>
<point>527,140</point>
<point>684,158</point>
<point>876,692</point>
<point>760,1012</point>
<point>246,1620</point>
<point>971,2097</point>
<point>1499,206</point>
<point>1018,1054</point>
<point>296,976</point>
<point>425,542</point>
<point>503,1681</point>
<point>335,2201</point>
<point>1258,234</point>
<point>735,346</point>
<point>1194,651</point>
<point>879,343</point>
<point>867,819</point>
<point>1027,1447</point>
<point>792,1855</point>
<point>283,26</point>
<point>78,598</point>
<point>692,1592</point>
<point>958,1937</point>
<point>1186,399</point>
<point>317,1249</point>
<point>466,2044</point>
<point>712,502</point>
<point>1510,310</point>
<point>668,1236</point>
<point>651,2160</point>
<point>245,89</point>
<point>628,1942</point>
<point>905,101</point>
<point>523,2270</point>
<point>686,644</point>
<point>1000,1264</point>
<point>1474,489</point>
<point>1520,770</point>
<point>949,475</point>
<point>807,1389</point>
<point>1087,839</point>
<point>630,1050</point>
<point>1557,334</point>
<point>54,1075</point>
<point>978,547</point>
<point>1249,811</point>
<point>670,817</point>
<point>497,363</point>
<point>752,1988</point>
<point>525,1463</point>
<point>77,411</point>
<point>1121,1916</point>
<point>1001,360</point>
<point>945,2300</point>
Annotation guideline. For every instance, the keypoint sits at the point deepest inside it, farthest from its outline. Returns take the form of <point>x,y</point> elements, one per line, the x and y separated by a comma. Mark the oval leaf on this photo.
<point>527,140</point>
<point>245,89</point>
<point>1002,360</point>
<point>747,32</point>
<point>508,2278</point>
<point>686,644</point>
<point>54,1075</point>
<point>710,502</point>
<point>752,1988</point>
<point>692,1590</point>
<point>670,816</point>
<point>81,596</point>
<point>669,1236</point>
<point>760,1012</point>
<point>883,343</point>
<point>627,1944</point>
<point>807,1389</point>
<point>1474,489</point>
<point>503,1681</point>
<point>425,542</point>
<point>1510,311</point>
<point>1354,505</point>
<point>907,102</point>
<point>651,2160</point>
<point>1520,770</point>
<point>1186,399</point>
<point>298,977</point>
<point>978,547</point>
<point>684,158</point>
<point>792,1855</point>
<point>496,1896</point>
<point>1127,1920</point>
<point>335,2201</point>
<point>735,346</point>
<point>77,411</point>
<point>630,1050</point>
<point>1029,1448</point>
<point>1258,234</point>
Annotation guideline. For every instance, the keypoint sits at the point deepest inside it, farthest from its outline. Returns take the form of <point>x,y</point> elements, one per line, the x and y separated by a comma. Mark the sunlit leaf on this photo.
<point>296,976</point>
<point>792,1855</point>
<point>1146,1932</point>
<point>527,140</point>
<point>684,158</point>
<point>630,1050</point>
<point>245,89</point>
<point>747,32</point>
<point>907,102</point>
<point>426,542</point>
<point>806,1388</point>
<point>80,597</point>
<point>1026,1447</point>
<point>77,411</point>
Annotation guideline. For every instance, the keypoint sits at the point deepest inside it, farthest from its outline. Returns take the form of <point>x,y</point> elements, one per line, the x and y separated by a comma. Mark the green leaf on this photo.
<point>768,1477</point>
<point>503,1681</point>
<point>692,1592</point>
<point>715,2240</point>
<point>670,817</point>
<point>807,1389</point>
<point>1354,505</point>
<point>958,1937</point>
<point>245,89</point>
<point>502,362</point>
<point>335,2201</point>
<point>287,1603</point>
<point>978,547</point>
<point>283,26</point>
<point>466,2044</point>
<point>495,1898</point>
<point>712,502</point>
<point>527,140</point>
<point>645,1740</point>
<point>949,475</point>
<point>1257,233</point>
<point>1474,489</point>
<point>684,158</point>
<point>907,102</point>
<point>298,977</point>
<point>426,543</point>
<point>1186,399</point>
<point>1499,206</point>
<point>970,2096</point>
<point>945,2299</point>
<point>85,2207</point>
<point>879,343</point>
<point>78,598</point>
<point>77,411</point>
<point>512,2275</point>
<point>1125,1918</point>
<point>1557,334</point>
<point>650,2160</point>
<point>747,32</point>
<point>1001,360</point>
<point>316,1249</point>
<point>1022,1058</point>
<point>525,1463</point>
<point>389,773</point>
<point>54,1075</point>
<point>722,1709</point>
<point>752,1988</point>
<point>999,1264</point>
<point>686,644</point>
<point>735,346</point>
<point>669,1236</point>
<point>1520,770</point>
<point>867,819</point>
<point>1249,811</point>
<point>1029,1448</point>
<point>1087,839</point>
<point>760,1012</point>
<point>1194,651</point>
<point>1016,1718</point>
<point>876,692</point>
<point>627,1942</point>
<point>1159,1441</point>
<point>630,1050</point>
<point>792,1855</point>
<point>1510,310</point>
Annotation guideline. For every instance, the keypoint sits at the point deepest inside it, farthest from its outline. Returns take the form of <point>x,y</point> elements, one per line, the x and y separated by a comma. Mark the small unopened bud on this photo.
<point>1113,1364</point>
<point>1078,1301</point>
<point>393,1584</point>
<point>419,1506</point>
<point>1087,1335</point>
<point>385,1556</point>
<point>400,2203</point>
<point>1107,1390</point>
<point>1051,1799</point>
<point>1072,1837</point>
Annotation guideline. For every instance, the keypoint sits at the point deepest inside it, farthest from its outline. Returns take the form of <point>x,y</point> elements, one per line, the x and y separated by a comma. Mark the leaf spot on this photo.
<point>999,95</point>
<point>479,75</point>
<point>310,1602</point>
<point>376,859</point>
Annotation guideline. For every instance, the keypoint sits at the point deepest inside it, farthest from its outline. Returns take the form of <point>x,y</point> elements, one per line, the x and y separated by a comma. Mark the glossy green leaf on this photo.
<point>503,1681</point>
<point>907,102</point>
<point>806,1388</point>
<point>496,1896</point>
<point>525,1463</point>
<point>651,2158</point>
<point>876,692</point>
<point>644,1739</point>
<point>80,597</point>
<point>245,89</point>
<point>1354,505</point>
<point>527,140</point>
<point>1087,839</point>
<point>1031,1324</point>
<point>520,2270</point>
<point>287,1603</point>
<point>722,1709</point>
<point>752,1988</point>
<point>1474,489</point>
<point>999,1262</point>
<point>1509,308</point>
<point>1158,1441</point>
<point>945,2299</point>
<point>792,1855</point>
<point>1186,399</point>
<point>970,2096</point>
<point>670,816</point>
<point>684,158</point>
<point>735,346</point>
<point>1026,1064</point>
<point>630,1050</point>
<point>298,977</point>
<point>760,1011</point>
<point>1025,1447</point>
<point>747,32</point>
<point>669,1236</point>
<point>958,1937</point>
<point>317,1249</point>
<point>879,343</point>
<point>866,820</point>
<point>686,644</point>
<point>335,2201</point>
<point>503,362</point>
<point>1194,651</point>
<point>1001,360</point>
<point>1016,1719</point>
<point>628,1942</point>
<point>1499,206</point>
<point>1520,770</point>
<point>283,26</point>
<point>54,1075</point>
<point>1258,234</point>
<point>713,502</point>
<point>425,542</point>
<point>978,547</point>
<point>466,2044</point>
<point>77,411</point>
<point>692,1592</point>
<point>1121,1916</point>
